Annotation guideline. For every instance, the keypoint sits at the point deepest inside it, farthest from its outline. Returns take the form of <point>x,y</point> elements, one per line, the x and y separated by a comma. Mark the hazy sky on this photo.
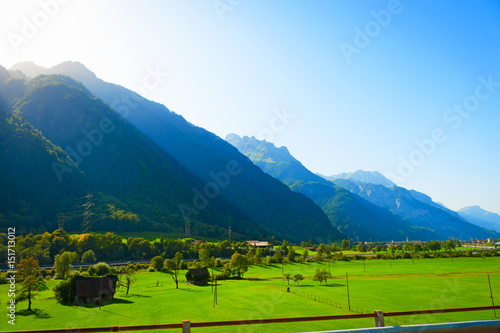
<point>408,88</point>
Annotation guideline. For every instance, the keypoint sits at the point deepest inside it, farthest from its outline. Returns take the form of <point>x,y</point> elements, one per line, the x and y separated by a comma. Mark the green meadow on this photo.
<point>380,285</point>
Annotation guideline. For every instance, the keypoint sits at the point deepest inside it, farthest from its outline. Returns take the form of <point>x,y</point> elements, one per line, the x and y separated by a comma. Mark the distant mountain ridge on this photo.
<point>405,213</point>
<point>372,177</point>
<point>481,217</point>
<point>350,213</point>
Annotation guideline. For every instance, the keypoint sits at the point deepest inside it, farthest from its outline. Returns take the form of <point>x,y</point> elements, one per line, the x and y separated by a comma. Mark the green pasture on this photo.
<point>424,284</point>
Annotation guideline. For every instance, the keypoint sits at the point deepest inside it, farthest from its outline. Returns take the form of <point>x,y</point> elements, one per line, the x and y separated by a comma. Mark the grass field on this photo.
<point>426,284</point>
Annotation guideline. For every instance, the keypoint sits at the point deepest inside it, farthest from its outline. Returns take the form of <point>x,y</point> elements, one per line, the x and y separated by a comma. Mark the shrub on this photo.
<point>156,263</point>
<point>3,278</point>
<point>88,256</point>
<point>102,269</point>
<point>218,262</point>
<point>151,269</point>
<point>91,270</point>
<point>62,291</point>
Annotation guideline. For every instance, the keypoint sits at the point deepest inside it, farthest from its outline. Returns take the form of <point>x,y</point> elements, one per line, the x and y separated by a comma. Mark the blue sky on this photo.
<point>240,65</point>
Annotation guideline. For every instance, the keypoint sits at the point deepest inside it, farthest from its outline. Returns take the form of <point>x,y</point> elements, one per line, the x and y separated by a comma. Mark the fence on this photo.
<point>186,325</point>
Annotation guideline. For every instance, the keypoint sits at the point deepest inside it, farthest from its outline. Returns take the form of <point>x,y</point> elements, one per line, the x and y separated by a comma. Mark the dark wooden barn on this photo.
<point>197,276</point>
<point>90,290</point>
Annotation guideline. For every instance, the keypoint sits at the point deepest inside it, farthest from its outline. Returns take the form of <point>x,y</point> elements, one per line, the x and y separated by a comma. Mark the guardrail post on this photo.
<point>186,326</point>
<point>379,319</point>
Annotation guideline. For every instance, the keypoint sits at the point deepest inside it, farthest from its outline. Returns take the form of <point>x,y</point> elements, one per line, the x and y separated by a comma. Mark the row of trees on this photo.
<point>110,247</point>
<point>429,246</point>
<point>92,247</point>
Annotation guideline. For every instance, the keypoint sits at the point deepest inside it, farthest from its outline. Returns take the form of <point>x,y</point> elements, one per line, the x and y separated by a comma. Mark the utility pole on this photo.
<point>188,226</point>
<point>348,298</point>
<point>61,218</point>
<point>491,296</point>
<point>230,234</point>
<point>87,213</point>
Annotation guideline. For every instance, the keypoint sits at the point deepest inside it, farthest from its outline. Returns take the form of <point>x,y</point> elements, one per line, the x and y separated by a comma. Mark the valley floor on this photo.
<point>381,285</point>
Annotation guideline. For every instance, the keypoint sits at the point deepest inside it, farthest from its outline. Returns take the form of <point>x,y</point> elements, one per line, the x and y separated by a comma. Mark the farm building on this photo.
<point>90,290</point>
<point>258,244</point>
<point>197,276</point>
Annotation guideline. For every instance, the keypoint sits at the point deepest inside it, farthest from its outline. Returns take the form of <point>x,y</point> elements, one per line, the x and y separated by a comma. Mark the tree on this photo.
<point>407,247</point>
<point>88,256</point>
<point>127,278</point>
<point>250,255</point>
<point>31,280</point>
<point>319,253</point>
<point>226,271</point>
<point>204,256</point>
<point>101,269</point>
<point>291,254</point>
<point>448,245</point>
<point>278,256</point>
<point>321,275</point>
<point>305,254</point>
<point>62,264</point>
<point>288,276</point>
<point>377,248</point>
<point>345,244</point>
<point>326,275</point>
<point>417,248</point>
<point>63,291</point>
<point>156,263</point>
<point>360,248</point>
<point>239,264</point>
<point>257,259</point>
<point>297,278</point>
<point>173,266</point>
<point>284,247</point>
<point>318,276</point>
<point>434,245</point>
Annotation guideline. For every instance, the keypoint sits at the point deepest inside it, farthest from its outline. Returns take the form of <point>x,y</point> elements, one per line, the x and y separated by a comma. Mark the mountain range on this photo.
<point>67,136</point>
<point>146,166</point>
<point>362,204</point>
<point>478,216</point>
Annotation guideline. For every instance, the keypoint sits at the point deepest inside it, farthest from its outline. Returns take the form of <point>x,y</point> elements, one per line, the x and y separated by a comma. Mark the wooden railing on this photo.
<point>186,325</point>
